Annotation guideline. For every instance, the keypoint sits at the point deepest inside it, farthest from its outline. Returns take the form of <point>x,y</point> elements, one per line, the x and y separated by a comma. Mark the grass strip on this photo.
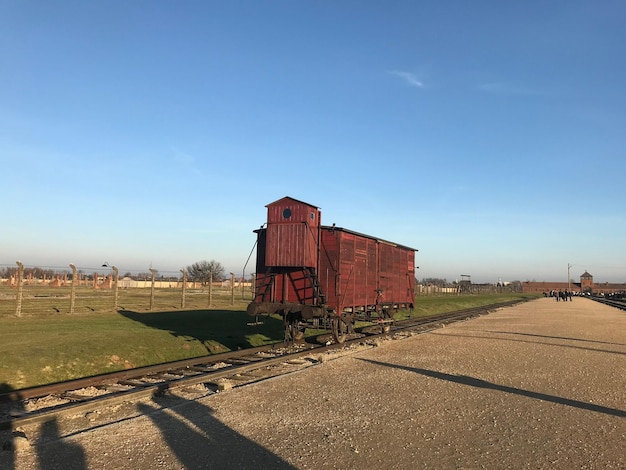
<point>43,348</point>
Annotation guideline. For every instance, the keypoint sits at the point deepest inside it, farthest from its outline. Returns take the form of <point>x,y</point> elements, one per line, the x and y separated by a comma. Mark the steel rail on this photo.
<point>143,391</point>
<point>70,385</point>
<point>621,304</point>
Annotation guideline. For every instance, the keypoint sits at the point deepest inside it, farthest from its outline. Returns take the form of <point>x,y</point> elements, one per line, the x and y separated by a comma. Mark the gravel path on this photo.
<point>539,386</point>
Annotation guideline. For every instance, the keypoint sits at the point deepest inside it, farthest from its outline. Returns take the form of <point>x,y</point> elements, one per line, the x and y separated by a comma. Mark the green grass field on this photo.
<point>42,346</point>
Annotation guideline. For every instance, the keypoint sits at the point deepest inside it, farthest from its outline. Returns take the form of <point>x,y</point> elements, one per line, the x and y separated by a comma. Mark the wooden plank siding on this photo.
<point>292,232</point>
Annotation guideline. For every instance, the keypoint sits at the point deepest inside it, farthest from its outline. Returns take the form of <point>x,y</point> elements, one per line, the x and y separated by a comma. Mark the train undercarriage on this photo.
<point>298,317</point>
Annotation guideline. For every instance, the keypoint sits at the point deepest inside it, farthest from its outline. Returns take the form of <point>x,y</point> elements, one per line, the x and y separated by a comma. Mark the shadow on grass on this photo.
<point>217,330</point>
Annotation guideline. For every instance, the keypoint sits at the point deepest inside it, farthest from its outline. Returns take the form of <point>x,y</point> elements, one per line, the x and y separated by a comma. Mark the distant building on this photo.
<point>585,286</point>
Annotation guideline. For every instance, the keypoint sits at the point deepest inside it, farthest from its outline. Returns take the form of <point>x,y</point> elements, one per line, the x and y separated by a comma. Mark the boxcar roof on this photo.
<point>368,236</point>
<point>291,199</point>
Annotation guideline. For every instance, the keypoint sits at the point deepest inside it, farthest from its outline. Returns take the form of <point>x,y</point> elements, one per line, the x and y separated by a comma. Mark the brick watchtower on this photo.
<point>586,283</point>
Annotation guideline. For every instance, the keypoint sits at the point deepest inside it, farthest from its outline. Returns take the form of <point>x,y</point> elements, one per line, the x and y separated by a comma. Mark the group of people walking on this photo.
<point>563,295</point>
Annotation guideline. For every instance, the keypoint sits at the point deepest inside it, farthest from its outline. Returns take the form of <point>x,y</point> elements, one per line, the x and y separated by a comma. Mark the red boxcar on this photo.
<point>327,276</point>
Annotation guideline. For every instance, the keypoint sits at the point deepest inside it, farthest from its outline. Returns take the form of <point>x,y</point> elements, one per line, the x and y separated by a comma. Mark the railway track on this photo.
<point>199,376</point>
<point>621,304</point>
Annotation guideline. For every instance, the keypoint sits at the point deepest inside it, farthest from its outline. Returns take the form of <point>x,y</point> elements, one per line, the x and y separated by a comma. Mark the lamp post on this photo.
<point>568,278</point>
<point>116,276</point>
<point>153,272</point>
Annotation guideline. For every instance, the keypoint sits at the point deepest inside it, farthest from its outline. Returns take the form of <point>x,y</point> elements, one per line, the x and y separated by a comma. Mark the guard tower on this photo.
<point>586,283</point>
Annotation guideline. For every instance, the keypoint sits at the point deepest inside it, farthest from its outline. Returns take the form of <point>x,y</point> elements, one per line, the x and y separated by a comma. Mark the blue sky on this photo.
<point>489,135</point>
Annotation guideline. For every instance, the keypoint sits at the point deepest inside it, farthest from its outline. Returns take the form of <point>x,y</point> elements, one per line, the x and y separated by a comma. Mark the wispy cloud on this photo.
<point>410,78</point>
<point>186,160</point>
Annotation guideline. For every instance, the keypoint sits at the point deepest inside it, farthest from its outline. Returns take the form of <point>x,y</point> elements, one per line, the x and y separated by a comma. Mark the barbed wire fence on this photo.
<point>32,290</point>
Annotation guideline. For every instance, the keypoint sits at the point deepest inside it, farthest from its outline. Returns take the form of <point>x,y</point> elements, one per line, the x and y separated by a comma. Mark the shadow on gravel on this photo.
<point>474,382</point>
<point>201,441</point>
<point>554,337</point>
<point>569,346</point>
<point>217,330</point>
<point>53,452</point>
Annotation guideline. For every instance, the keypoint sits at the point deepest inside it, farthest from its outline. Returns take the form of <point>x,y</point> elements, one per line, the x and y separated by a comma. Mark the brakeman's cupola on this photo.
<point>292,233</point>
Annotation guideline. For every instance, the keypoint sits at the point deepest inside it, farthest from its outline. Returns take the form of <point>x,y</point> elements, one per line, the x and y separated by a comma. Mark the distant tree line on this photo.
<point>201,271</point>
<point>435,281</point>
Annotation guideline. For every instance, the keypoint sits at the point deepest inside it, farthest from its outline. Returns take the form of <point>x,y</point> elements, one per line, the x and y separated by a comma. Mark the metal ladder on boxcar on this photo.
<point>306,286</point>
<point>263,290</point>
<point>304,282</point>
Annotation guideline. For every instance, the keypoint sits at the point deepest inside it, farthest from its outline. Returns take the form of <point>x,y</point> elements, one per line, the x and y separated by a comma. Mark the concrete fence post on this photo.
<point>116,273</point>
<point>232,288</point>
<point>210,288</point>
<point>182,300</point>
<point>73,288</point>
<point>20,287</point>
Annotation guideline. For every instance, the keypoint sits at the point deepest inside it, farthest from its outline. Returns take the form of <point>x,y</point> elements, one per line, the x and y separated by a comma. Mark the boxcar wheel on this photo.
<point>292,332</point>
<point>339,330</point>
<point>296,333</point>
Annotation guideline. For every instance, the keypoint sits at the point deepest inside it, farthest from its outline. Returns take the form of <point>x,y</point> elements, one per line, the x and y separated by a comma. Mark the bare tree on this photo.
<point>201,271</point>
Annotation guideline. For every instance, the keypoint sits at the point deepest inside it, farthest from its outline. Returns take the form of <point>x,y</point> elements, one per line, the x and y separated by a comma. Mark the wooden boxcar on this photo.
<point>326,276</point>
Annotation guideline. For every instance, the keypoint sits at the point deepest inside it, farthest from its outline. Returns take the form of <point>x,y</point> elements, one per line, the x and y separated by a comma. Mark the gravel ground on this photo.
<point>539,386</point>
